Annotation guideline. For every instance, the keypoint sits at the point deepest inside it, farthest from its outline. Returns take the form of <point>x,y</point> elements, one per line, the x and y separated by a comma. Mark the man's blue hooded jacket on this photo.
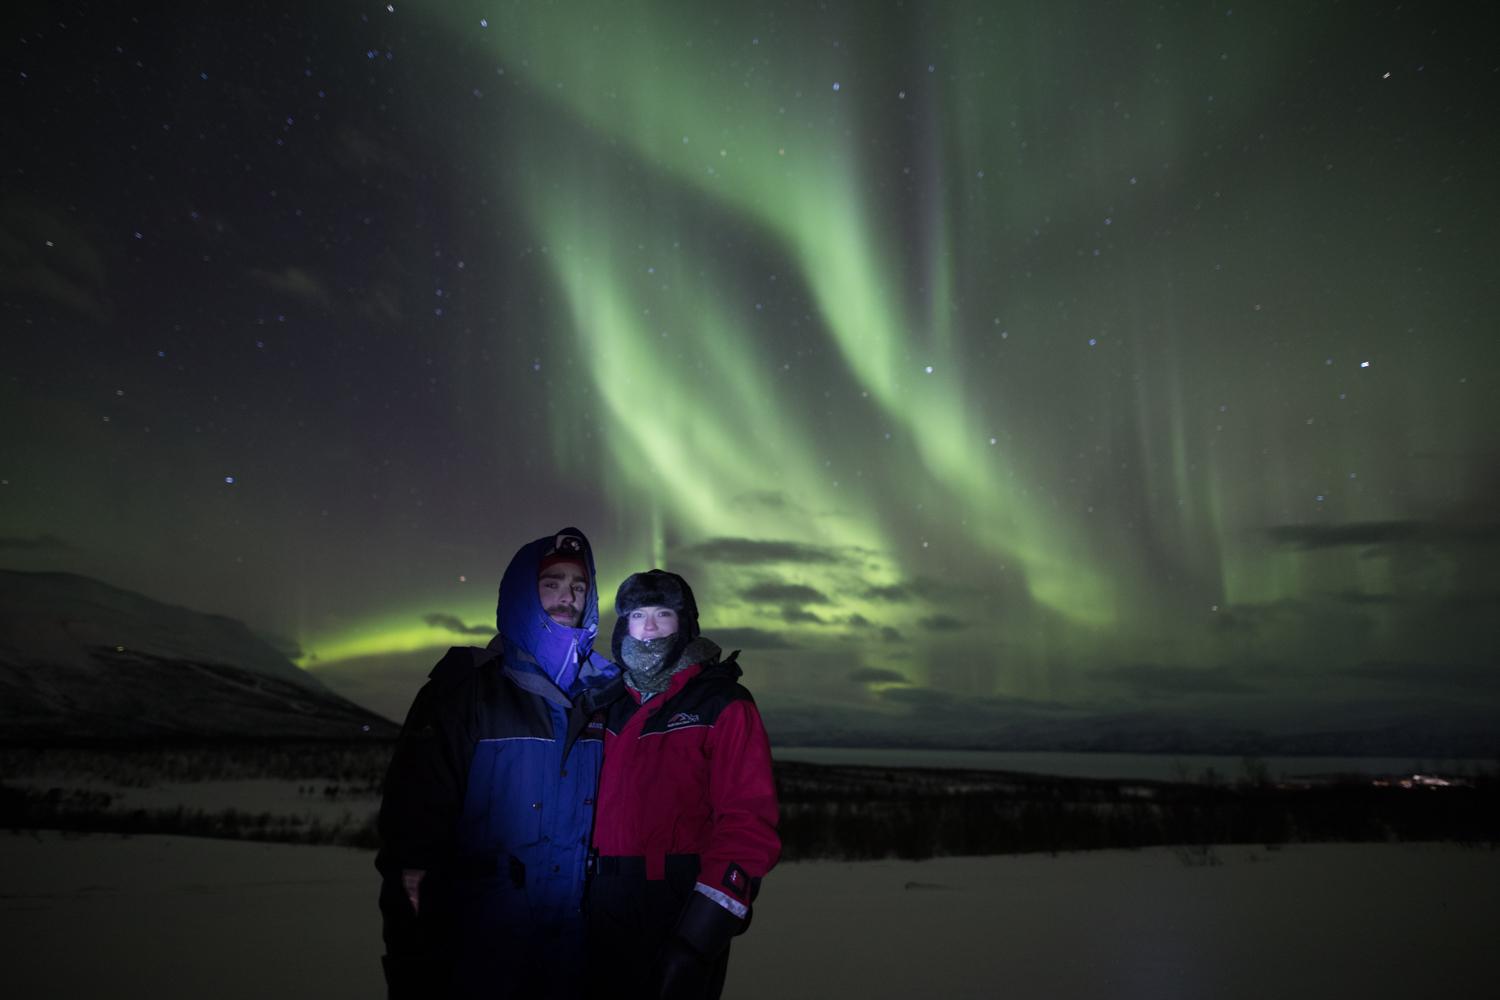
<point>491,793</point>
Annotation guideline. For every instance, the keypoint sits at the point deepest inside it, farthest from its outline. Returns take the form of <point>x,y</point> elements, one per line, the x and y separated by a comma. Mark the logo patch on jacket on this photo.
<point>682,719</point>
<point>735,880</point>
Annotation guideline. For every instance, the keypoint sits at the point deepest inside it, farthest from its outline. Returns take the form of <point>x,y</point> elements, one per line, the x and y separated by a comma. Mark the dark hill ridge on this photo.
<point>81,660</point>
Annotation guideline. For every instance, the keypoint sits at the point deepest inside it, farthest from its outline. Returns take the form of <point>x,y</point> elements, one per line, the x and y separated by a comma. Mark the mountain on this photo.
<point>82,661</point>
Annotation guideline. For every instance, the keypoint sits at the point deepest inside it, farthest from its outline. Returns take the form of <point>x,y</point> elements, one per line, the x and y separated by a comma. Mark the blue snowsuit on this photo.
<point>491,793</point>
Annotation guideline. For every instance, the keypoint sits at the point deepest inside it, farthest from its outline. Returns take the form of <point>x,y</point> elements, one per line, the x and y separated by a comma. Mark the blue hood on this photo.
<point>525,626</point>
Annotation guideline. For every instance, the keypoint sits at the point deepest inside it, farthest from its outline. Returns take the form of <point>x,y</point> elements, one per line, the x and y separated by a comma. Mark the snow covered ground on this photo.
<point>181,917</point>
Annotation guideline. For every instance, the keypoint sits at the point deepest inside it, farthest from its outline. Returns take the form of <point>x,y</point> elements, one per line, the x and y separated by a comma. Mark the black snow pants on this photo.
<point>629,919</point>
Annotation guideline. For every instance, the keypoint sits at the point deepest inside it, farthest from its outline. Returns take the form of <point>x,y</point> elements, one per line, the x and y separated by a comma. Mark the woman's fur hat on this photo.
<point>656,588</point>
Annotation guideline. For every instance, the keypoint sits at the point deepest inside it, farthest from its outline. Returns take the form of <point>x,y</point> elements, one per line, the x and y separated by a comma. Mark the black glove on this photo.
<point>412,977</point>
<point>416,961</point>
<point>687,960</point>
<point>680,973</point>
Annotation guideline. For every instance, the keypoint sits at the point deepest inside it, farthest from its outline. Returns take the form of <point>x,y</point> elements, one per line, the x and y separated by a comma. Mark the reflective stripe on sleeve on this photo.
<point>724,899</point>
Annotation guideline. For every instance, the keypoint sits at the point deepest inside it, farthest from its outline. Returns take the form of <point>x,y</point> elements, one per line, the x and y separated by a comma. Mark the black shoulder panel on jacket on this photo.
<point>457,664</point>
<point>704,697</point>
<point>425,782</point>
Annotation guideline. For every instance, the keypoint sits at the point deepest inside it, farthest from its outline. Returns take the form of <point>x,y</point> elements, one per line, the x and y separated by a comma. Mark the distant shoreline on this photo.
<point>874,804</point>
<point>1115,766</point>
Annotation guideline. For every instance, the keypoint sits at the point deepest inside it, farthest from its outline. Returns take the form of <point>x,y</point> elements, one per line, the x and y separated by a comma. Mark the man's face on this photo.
<point>563,588</point>
<point>651,622</point>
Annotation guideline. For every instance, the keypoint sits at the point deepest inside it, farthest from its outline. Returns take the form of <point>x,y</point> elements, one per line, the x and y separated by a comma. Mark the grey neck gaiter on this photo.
<point>645,666</point>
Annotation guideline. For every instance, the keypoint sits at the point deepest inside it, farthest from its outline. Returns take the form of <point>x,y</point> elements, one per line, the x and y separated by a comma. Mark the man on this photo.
<point>686,825</point>
<point>489,798</point>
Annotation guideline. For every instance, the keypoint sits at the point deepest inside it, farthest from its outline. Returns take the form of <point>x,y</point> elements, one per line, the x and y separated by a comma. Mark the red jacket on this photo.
<point>689,772</point>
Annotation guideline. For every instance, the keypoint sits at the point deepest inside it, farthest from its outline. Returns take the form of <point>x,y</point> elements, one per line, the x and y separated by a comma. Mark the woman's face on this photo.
<point>651,622</point>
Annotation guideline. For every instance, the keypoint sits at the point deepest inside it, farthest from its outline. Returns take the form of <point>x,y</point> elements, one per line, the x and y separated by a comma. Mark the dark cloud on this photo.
<point>921,697</point>
<point>1011,703</point>
<point>941,623</point>
<point>765,500</point>
<point>748,638</point>
<point>1248,619</point>
<point>294,281</point>
<point>357,151</point>
<point>896,592</point>
<point>37,543</point>
<point>783,593</point>
<point>1360,597</point>
<point>890,634</point>
<point>455,624</point>
<point>41,254</point>
<point>380,304</point>
<point>1151,680</point>
<point>1485,600</point>
<point>916,588</point>
<point>795,615</point>
<point>876,675</point>
<point>1467,533</point>
<point>858,621</point>
<point>750,551</point>
<point>1307,537</point>
<point>1465,678</point>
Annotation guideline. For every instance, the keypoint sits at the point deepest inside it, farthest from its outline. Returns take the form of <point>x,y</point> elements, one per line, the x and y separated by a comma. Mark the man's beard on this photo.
<point>573,615</point>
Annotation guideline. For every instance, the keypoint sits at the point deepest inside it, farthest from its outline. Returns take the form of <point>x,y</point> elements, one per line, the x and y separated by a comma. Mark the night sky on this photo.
<point>975,362</point>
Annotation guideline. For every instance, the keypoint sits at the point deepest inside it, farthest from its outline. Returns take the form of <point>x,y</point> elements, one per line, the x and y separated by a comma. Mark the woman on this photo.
<point>685,825</point>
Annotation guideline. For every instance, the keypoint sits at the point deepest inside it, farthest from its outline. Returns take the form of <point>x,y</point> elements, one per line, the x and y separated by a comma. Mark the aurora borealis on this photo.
<point>974,361</point>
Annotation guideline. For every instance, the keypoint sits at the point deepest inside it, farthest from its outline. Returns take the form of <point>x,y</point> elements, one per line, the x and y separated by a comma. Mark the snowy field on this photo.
<point>158,917</point>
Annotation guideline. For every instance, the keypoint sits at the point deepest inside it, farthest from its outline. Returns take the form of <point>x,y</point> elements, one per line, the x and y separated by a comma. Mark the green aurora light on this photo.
<point>1080,354</point>
<point>941,225</point>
